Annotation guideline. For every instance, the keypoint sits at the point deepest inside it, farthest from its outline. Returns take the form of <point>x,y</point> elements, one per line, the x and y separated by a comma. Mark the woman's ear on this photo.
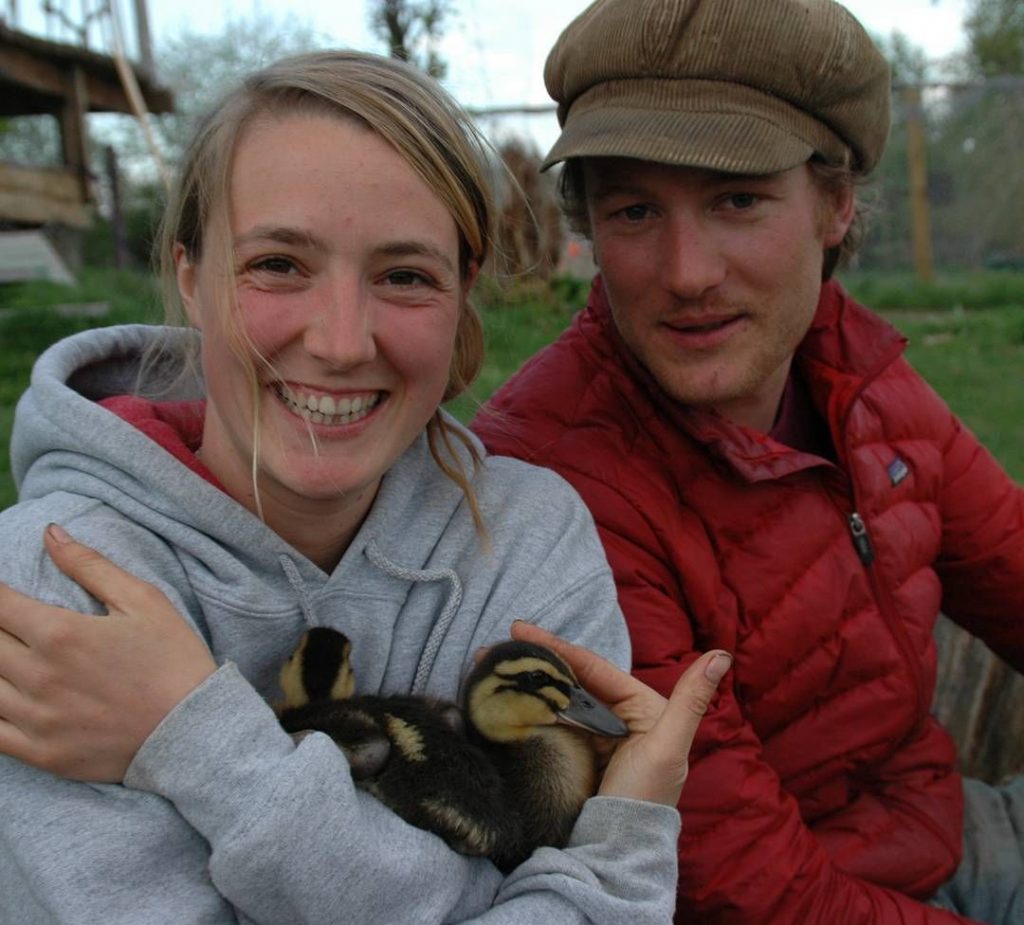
<point>472,272</point>
<point>186,272</point>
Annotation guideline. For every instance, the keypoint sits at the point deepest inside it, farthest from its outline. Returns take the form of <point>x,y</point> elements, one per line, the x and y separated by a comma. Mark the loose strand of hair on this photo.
<point>439,431</point>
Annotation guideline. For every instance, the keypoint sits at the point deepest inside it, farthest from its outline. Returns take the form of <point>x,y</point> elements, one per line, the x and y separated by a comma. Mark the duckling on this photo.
<point>510,778</point>
<point>410,752</point>
<point>527,712</point>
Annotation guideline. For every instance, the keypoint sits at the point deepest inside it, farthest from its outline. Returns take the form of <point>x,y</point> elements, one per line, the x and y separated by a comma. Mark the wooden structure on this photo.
<point>38,76</point>
<point>980,700</point>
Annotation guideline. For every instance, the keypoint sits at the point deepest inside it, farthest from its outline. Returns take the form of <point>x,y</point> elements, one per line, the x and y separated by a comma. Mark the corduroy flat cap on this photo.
<point>741,86</point>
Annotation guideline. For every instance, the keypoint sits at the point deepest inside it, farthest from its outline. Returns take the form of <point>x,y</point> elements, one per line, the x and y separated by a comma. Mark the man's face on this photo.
<point>713,279</point>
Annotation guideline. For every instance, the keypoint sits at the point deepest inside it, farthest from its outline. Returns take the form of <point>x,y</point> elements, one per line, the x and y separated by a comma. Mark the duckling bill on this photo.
<point>507,773</point>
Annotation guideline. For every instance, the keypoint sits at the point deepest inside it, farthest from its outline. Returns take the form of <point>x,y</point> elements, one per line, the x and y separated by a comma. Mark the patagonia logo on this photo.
<point>898,470</point>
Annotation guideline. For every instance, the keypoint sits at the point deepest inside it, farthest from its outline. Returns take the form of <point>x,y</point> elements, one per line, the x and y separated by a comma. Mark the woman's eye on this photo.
<point>407,278</point>
<point>280,266</point>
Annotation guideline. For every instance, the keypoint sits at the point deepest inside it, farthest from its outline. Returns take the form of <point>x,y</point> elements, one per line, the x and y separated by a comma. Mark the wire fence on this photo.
<point>949,189</point>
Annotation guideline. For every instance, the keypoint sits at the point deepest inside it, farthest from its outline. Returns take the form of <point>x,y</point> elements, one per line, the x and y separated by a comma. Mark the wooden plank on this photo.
<point>980,700</point>
<point>38,195</point>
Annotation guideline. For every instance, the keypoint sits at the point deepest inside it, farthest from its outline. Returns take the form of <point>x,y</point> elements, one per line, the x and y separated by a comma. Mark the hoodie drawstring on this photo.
<point>443,622</point>
<point>291,572</point>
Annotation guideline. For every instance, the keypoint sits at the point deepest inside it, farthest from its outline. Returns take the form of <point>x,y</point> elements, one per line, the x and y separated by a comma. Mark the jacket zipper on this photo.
<point>861,539</point>
<point>866,551</point>
<point>865,548</point>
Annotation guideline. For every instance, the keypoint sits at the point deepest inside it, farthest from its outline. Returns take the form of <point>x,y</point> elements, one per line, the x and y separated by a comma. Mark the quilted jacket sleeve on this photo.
<point>982,558</point>
<point>745,854</point>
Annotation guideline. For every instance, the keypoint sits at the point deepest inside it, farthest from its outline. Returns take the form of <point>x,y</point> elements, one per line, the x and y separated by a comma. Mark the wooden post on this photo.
<point>145,42</point>
<point>917,170</point>
<point>121,255</point>
<point>72,129</point>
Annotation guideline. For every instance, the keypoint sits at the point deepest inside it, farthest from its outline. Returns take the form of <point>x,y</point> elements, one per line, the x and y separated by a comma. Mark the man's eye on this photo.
<point>635,213</point>
<point>742,200</point>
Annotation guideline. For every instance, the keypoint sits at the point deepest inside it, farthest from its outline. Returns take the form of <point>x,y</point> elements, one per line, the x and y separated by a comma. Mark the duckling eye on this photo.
<point>537,678</point>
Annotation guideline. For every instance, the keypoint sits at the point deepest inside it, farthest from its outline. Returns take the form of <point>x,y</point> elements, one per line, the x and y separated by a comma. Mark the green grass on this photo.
<point>966,333</point>
<point>975,360</point>
<point>31,318</point>
<point>985,289</point>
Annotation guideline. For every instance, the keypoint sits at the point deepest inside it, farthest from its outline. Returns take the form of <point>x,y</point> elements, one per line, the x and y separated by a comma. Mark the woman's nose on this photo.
<point>341,329</point>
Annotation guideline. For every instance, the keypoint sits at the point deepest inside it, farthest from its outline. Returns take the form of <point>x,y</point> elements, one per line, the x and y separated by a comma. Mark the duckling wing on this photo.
<point>436,779</point>
<point>357,733</point>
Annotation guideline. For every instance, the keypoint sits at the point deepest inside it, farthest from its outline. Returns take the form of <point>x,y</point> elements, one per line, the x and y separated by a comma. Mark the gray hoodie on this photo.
<point>221,817</point>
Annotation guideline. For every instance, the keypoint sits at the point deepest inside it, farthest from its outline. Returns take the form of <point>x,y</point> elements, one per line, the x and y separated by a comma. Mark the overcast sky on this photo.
<point>495,49</point>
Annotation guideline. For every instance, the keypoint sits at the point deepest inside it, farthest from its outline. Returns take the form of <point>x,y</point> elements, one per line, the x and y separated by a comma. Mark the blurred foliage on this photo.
<point>975,172</point>
<point>529,231</point>
<point>31,140</point>
<point>412,30</point>
<point>35,315</point>
<point>995,36</point>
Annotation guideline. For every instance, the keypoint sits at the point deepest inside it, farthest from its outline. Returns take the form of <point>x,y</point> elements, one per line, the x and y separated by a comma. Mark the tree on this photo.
<point>995,34</point>
<point>200,68</point>
<point>908,62</point>
<point>412,30</point>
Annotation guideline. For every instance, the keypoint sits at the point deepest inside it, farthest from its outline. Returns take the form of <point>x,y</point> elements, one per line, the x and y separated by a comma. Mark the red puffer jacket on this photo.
<point>821,789</point>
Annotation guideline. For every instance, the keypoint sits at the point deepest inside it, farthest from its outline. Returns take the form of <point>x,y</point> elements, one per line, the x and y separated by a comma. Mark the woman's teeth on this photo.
<point>324,409</point>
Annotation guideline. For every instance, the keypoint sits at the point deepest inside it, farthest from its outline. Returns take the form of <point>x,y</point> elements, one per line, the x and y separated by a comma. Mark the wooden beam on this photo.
<point>42,68</point>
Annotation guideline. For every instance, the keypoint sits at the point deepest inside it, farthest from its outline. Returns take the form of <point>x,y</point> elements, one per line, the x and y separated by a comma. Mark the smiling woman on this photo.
<point>348,289</point>
<point>297,471</point>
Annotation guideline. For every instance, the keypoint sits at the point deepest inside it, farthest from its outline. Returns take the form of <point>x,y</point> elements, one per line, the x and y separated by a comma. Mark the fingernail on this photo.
<point>58,534</point>
<point>715,670</point>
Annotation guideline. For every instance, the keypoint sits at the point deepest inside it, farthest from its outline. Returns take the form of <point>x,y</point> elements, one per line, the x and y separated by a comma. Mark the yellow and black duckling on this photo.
<point>527,712</point>
<point>510,779</point>
<point>409,752</point>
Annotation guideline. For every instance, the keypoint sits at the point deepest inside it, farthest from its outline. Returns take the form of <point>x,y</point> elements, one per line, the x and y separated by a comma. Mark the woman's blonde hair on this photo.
<point>406,108</point>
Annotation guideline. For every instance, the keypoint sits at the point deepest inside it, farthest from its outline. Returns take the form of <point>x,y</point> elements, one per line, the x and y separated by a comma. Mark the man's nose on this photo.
<point>692,261</point>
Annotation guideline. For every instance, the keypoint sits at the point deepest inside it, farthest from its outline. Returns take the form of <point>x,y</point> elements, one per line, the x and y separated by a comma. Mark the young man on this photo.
<point>768,473</point>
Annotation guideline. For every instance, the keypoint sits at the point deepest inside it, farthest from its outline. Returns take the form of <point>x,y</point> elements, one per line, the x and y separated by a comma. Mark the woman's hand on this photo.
<point>79,694</point>
<point>653,762</point>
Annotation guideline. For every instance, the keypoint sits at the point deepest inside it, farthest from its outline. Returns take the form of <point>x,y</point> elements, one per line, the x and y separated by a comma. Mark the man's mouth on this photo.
<point>326,409</point>
<point>707,326</point>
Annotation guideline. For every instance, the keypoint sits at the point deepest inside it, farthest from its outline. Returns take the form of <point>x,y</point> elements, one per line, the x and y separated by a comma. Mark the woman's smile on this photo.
<point>331,411</point>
